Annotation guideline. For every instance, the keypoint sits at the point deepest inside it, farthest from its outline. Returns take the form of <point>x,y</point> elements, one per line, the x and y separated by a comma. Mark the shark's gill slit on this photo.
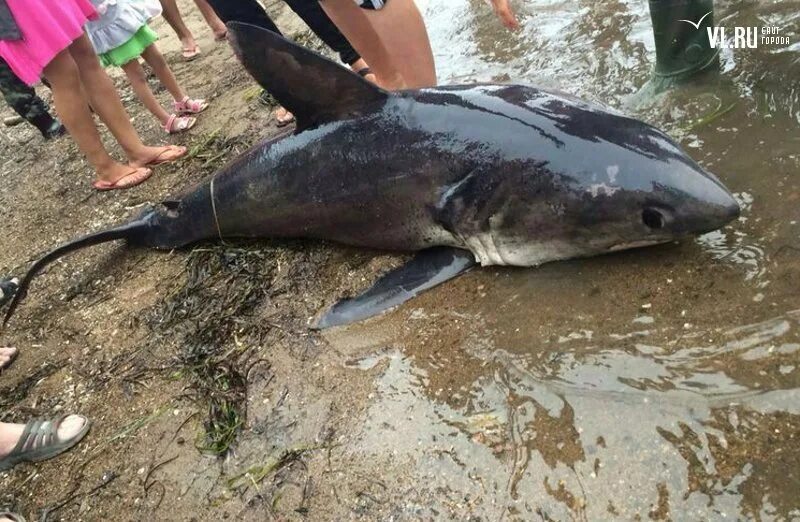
<point>653,218</point>
<point>171,208</point>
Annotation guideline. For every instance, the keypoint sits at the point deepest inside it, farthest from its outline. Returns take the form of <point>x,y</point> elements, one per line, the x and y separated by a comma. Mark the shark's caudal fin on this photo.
<point>121,232</point>
<point>315,89</point>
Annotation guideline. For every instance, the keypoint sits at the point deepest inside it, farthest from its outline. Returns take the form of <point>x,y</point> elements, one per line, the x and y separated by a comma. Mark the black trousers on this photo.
<point>251,12</point>
<point>23,99</point>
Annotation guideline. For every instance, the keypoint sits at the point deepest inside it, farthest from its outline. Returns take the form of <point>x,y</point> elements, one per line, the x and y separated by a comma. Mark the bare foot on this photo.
<point>189,48</point>
<point>7,355</point>
<point>506,14</point>
<point>151,156</point>
<point>11,433</point>
<point>220,33</point>
<point>283,117</point>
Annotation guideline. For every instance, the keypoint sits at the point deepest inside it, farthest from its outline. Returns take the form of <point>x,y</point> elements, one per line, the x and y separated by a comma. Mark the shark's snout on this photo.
<point>720,215</point>
<point>710,210</point>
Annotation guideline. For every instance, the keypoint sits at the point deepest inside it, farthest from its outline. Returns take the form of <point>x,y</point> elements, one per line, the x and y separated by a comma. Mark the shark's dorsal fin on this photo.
<point>315,89</point>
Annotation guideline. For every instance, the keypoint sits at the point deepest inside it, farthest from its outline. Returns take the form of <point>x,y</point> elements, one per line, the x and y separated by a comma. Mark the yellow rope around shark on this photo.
<point>214,207</point>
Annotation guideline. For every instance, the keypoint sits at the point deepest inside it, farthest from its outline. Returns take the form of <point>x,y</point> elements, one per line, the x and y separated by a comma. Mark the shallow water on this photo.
<point>657,383</point>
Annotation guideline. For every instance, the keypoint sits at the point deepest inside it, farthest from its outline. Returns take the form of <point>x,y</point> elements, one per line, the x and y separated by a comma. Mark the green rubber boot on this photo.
<point>683,51</point>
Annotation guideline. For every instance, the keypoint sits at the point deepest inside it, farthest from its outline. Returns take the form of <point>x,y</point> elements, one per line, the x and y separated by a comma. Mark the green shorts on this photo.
<point>130,50</point>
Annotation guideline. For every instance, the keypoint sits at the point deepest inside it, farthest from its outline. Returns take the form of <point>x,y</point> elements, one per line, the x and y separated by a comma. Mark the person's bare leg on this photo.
<point>359,65</point>
<point>138,78</point>
<point>162,71</point>
<point>63,75</point>
<point>170,12</point>
<point>393,40</point>
<point>352,21</point>
<point>105,101</point>
<point>402,31</point>
<point>213,21</point>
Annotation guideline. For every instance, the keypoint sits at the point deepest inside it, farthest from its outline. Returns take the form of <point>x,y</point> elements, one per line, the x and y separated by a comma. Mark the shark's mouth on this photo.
<point>636,244</point>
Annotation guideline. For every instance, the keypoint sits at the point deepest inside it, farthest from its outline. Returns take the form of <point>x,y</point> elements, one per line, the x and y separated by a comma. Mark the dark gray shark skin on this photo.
<point>516,175</point>
<point>512,174</point>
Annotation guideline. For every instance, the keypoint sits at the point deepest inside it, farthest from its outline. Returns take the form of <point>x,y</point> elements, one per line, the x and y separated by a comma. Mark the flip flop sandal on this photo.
<point>177,124</point>
<point>133,178</point>
<point>190,106</point>
<point>39,441</point>
<point>364,72</point>
<point>14,517</point>
<point>190,54</point>
<point>10,359</point>
<point>160,159</point>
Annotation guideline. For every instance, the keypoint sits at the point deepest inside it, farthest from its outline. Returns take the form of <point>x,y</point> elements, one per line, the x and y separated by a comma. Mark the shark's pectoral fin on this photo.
<point>315,89</point>
<point>426,270</point>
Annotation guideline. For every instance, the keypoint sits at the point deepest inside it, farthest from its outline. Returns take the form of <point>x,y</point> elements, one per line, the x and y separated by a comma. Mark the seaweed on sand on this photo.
<point>207,317</point>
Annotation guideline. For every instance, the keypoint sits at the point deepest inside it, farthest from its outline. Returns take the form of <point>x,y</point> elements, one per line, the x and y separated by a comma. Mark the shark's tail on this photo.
<point>125,231</point>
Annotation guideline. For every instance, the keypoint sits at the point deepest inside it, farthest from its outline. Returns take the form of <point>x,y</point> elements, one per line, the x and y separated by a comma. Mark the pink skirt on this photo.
<point>48,27</point>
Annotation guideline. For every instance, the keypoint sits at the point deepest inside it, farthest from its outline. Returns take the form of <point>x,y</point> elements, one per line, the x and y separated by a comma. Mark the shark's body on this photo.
<point>505,174</point>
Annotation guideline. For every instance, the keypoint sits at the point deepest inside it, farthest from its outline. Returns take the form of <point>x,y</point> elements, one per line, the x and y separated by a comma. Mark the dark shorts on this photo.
<point>371,4</point>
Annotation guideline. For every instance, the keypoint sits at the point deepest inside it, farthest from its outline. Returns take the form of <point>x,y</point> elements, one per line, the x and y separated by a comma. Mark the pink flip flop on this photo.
<point>133,178</point>
<point>160,158</point>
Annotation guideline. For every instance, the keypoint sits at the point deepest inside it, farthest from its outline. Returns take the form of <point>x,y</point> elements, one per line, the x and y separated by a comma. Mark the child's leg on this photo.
<point>138,78</point>
<point>105,101</point>
<point>173,17</point>
<point>162,71</point>
<point>213,21</point>
<point>64,78</point>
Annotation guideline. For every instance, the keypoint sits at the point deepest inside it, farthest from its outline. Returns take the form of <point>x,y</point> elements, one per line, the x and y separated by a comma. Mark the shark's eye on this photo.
<point>653,218</point>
